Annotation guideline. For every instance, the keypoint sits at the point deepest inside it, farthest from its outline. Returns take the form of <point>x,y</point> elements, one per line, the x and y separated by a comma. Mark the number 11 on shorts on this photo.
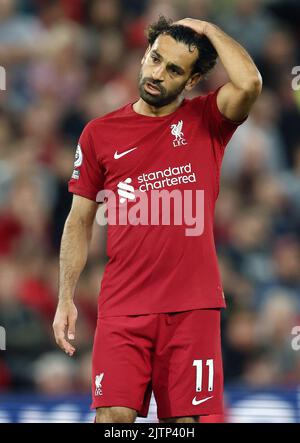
<point>199,372</point>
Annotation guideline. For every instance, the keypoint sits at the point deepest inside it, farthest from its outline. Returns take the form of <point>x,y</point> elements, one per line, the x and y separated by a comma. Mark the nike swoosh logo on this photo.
<point>196,402</point>
<point>116,156</point>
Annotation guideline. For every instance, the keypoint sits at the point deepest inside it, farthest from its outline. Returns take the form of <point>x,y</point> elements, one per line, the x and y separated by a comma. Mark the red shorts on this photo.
<point>177,355</point>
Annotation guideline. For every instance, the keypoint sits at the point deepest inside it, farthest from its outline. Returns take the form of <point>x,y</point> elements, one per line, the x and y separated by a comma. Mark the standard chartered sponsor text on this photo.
<point>160,205</point>
<point>169,177</point>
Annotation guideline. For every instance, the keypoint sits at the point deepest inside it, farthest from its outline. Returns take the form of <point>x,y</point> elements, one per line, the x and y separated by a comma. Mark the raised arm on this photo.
<point>73,256</point>
<point>237,96</point>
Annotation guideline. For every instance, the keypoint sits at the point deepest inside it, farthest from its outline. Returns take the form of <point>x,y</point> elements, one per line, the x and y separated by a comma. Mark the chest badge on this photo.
<point>176,130</point>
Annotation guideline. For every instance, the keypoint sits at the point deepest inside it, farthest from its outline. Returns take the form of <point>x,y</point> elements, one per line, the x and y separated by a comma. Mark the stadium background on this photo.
<point>69,61</point>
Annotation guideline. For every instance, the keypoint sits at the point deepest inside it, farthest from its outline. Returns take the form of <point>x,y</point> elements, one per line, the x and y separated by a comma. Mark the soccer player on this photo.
<point>159,309</point>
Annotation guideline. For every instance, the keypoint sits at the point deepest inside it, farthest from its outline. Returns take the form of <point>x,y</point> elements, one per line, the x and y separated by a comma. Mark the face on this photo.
<point>166,71</point>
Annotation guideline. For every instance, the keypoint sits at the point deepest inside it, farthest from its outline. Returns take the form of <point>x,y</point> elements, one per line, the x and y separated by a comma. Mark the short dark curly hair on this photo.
<point>207,53</point>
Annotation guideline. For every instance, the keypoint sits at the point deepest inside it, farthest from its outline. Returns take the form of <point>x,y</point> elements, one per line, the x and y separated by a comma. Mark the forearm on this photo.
<point>238,64</point>
<point>73,256</point>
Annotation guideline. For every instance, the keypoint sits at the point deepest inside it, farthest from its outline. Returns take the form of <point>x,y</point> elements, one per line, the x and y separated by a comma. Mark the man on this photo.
<point>160,299</point>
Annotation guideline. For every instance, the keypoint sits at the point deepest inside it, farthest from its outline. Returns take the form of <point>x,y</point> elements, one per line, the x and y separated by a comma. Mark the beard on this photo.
<point>164,98</point>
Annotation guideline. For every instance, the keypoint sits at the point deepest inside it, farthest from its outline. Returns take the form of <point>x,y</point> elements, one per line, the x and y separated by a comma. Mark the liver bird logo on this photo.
<point>176,130</point>
<point>98,380</point>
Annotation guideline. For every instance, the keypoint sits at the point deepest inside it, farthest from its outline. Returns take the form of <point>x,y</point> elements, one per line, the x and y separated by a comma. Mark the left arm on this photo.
<point>236,97</point>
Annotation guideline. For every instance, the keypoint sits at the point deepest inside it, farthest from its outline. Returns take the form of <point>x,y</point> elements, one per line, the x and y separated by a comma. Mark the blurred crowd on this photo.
<point>69,61</point>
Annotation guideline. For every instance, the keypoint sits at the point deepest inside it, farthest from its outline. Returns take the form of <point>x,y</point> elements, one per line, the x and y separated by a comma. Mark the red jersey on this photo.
<point>157,263</point>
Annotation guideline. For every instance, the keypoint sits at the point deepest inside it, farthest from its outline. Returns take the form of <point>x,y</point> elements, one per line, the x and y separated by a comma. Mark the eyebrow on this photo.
<point>171,65</point>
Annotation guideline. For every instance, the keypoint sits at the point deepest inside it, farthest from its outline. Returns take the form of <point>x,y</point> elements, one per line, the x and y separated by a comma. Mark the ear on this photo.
<point>145,55</point>
<point>192,81</point>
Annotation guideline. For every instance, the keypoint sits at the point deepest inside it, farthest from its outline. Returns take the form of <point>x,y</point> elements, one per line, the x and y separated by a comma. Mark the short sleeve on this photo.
<point>87,178</point>
<point>220,126</point>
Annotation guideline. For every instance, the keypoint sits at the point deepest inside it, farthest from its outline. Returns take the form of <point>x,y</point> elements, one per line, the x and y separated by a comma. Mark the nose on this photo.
<point>158,73</point>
